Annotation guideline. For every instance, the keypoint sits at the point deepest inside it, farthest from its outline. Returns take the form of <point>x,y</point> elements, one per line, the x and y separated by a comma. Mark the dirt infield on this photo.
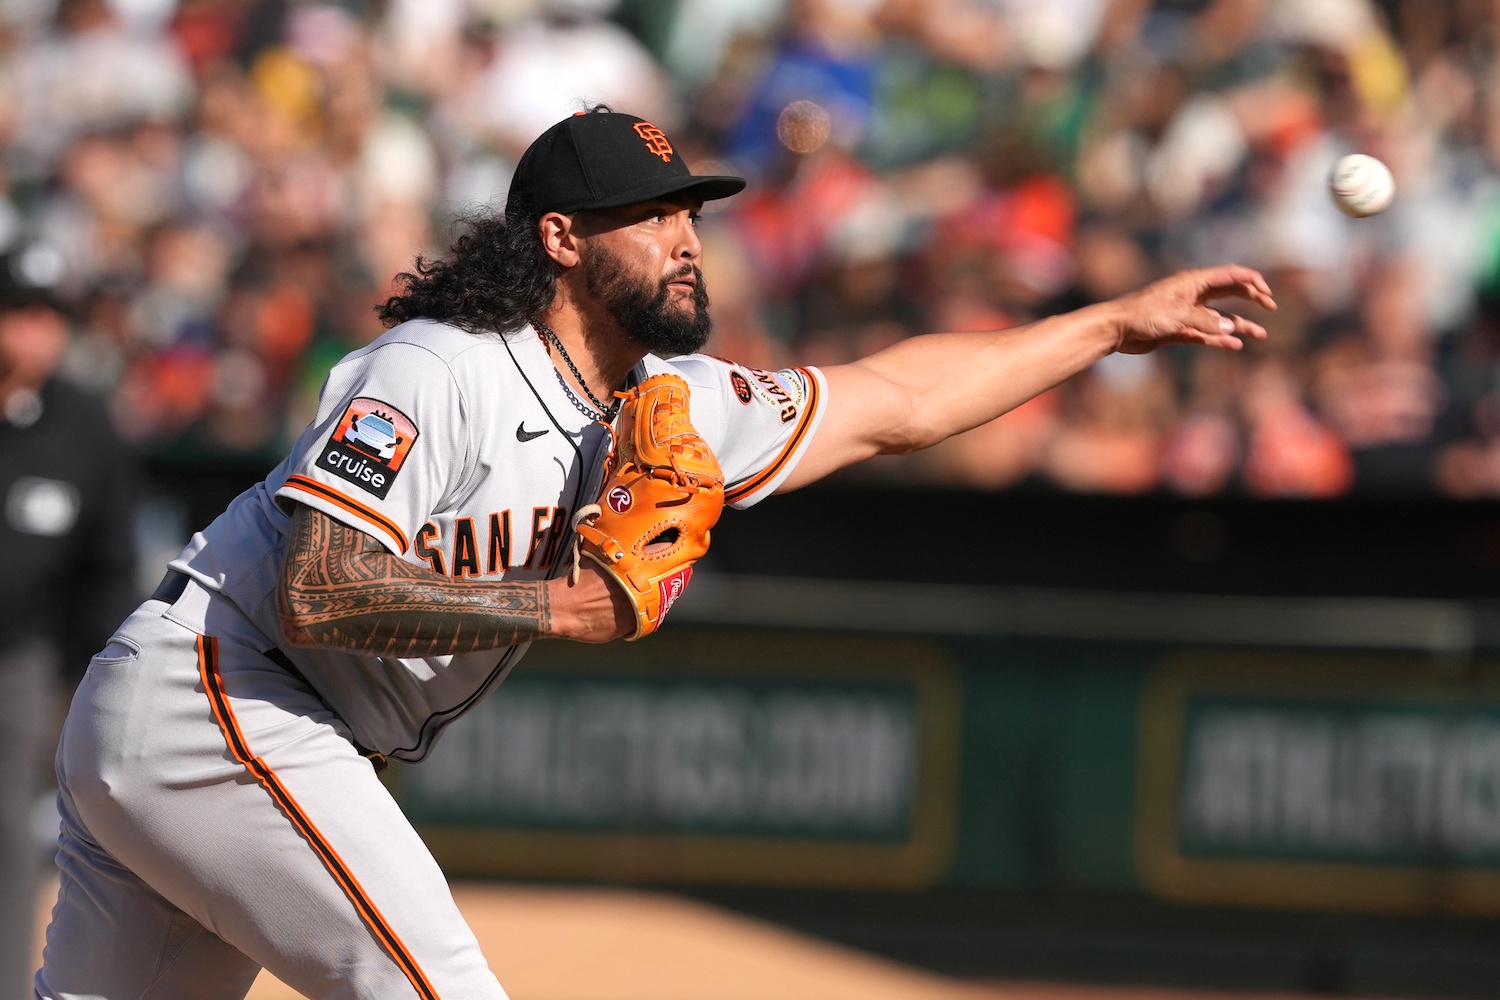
<point>560,943</point>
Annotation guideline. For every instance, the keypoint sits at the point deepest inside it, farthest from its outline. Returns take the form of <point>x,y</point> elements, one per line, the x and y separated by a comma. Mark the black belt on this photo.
<point>171,588</point>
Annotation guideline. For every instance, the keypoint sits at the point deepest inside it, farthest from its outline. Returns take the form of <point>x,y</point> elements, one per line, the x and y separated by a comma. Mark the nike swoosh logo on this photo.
<point>522,434</point>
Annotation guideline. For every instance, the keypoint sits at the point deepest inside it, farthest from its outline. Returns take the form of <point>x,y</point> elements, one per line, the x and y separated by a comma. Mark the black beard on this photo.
<point>643,312</point>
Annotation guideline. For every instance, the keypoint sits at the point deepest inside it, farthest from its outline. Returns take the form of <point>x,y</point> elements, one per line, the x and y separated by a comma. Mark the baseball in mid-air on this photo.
<point>1361,185</point>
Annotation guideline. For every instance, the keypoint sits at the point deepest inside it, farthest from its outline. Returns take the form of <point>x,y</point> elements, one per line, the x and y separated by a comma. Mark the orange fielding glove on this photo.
<point>662,493</point>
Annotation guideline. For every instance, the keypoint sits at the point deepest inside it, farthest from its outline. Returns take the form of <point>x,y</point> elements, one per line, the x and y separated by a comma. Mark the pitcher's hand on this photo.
<point>1176,310</point>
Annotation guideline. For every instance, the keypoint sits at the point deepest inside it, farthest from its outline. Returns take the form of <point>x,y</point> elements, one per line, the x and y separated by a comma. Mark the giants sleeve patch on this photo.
<point>785,394</point>
<point>369,445</point>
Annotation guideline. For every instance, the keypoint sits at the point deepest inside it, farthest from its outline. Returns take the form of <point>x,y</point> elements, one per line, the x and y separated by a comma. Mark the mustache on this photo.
<point>685,271</point>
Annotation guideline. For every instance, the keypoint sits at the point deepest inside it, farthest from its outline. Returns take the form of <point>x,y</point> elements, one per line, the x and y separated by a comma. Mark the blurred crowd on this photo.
<point>221,190</point>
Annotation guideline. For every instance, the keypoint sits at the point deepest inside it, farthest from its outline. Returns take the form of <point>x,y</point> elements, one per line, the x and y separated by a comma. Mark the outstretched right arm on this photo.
<point>925,389</point>
<point>341,588</point>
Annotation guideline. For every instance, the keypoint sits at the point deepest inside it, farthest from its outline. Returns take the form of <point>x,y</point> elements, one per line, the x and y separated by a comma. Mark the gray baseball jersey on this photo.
<point>216,816</point>
<point>465,453</point>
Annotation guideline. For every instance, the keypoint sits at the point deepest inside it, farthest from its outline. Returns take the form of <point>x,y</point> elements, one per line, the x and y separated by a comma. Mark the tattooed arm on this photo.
<point>341,588</point>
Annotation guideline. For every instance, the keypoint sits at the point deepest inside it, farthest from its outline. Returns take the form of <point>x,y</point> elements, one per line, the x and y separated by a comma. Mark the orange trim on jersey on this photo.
<point>208,672</point>
<point>744,488</point>
<point>324,492</point>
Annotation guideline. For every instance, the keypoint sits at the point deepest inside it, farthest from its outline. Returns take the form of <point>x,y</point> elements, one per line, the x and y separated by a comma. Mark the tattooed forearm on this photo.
<point>341,588</point>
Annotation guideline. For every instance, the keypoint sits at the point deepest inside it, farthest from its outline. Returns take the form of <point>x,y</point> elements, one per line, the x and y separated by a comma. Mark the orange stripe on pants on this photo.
<point>208,670</point>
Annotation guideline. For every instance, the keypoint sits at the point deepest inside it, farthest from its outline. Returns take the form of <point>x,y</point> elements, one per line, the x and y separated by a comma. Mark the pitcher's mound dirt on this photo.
<point>567,943</point>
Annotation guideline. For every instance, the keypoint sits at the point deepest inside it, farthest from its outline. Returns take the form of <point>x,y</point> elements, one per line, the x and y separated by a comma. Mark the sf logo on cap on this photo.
<point>656,140</point>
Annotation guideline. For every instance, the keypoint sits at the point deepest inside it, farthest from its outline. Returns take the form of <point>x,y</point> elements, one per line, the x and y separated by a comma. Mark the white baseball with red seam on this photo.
<point>1361,185</point>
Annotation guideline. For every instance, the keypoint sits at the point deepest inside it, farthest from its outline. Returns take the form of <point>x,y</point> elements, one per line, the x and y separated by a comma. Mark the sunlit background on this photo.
<point>223,188</point>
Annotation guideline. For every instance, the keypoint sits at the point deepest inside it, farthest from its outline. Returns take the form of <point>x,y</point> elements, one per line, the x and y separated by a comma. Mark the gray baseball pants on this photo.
<point>216,819</point>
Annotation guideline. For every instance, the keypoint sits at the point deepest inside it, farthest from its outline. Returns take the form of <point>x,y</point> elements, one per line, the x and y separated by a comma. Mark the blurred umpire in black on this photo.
<point>67,492</point>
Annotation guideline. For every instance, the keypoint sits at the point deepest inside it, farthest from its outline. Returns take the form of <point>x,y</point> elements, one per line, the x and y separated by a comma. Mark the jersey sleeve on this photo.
<point>759,423</point>
<point>388,444</point>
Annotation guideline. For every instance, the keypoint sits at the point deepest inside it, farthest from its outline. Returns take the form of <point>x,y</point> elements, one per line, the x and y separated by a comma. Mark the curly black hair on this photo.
<point>496,276</point>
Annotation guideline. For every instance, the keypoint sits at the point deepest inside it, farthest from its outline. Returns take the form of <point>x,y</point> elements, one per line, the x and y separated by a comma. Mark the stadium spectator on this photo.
<point>233,184</point>
<point>67,500</point>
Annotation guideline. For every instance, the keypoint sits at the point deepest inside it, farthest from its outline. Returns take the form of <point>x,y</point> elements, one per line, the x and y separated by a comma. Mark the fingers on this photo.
<point>1176,311</point>
<point>1233,280</point>
<point>1245,329</point>
<point>1212,328</point>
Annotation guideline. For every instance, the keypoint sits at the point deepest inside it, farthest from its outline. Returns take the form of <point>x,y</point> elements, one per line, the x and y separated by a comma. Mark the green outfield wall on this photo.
<point>1330,778</point>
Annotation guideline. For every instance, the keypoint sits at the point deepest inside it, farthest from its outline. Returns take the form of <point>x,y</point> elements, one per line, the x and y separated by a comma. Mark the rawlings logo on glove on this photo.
<point>662,493</point>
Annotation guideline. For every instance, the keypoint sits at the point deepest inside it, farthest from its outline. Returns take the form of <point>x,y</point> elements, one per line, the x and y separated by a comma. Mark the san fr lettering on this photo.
<point>484,546</point>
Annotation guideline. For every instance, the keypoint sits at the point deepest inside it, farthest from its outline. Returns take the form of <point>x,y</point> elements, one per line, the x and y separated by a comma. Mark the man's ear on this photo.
<point>558,239</point>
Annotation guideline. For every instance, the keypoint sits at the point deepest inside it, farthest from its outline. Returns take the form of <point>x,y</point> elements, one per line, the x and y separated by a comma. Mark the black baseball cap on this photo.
<point>605,159</point>
<point>29,277</point>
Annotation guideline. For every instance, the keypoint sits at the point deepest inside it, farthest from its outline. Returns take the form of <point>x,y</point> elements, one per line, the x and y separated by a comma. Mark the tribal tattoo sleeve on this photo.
<point>341,588</point>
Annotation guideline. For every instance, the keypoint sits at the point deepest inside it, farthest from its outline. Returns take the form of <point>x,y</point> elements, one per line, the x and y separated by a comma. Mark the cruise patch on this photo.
<point>369,445</point>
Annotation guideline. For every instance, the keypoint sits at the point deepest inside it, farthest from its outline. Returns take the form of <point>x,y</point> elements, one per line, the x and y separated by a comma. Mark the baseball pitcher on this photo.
<point>535,449</point>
